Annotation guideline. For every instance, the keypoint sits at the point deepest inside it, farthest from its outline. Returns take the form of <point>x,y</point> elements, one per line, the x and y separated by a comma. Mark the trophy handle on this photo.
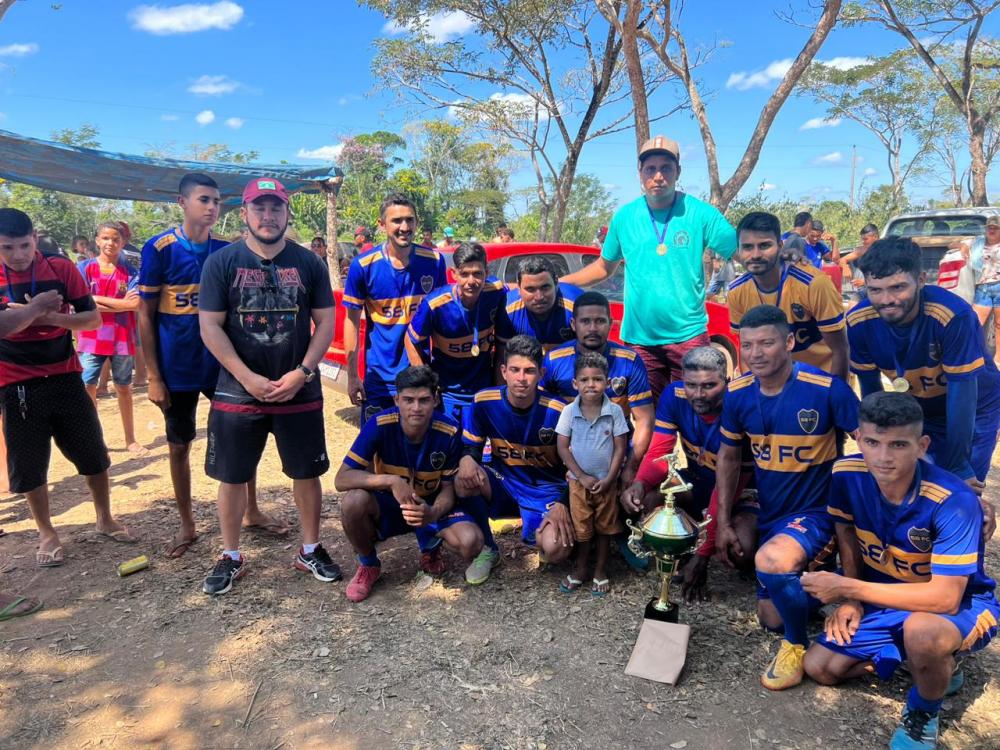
<point>634,541</point>
<point>703,530</point>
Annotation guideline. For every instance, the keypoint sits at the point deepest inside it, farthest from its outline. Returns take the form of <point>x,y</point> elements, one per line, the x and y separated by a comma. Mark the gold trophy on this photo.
<point>667,534</point>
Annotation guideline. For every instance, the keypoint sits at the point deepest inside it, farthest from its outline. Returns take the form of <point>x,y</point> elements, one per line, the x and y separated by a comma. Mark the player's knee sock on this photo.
<point>370,561</point>
<point>791,601</point>
<point>917,701</point>
<point>477,508</point>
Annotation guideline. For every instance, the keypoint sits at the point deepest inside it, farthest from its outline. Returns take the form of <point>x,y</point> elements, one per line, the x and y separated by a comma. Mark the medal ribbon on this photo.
<point>463,314</point>
<point>900,370</point>
<point>781,286</point>
<point>888,514</point>
<point>661,236</point>
<point>713,430</point>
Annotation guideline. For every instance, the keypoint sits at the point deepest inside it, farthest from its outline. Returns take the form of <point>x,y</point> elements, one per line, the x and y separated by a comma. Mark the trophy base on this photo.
<point>667,615</point>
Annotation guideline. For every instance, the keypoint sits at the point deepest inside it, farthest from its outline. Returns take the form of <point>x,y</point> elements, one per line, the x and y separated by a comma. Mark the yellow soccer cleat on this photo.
<point>786,669</point>
<point>505,525</point>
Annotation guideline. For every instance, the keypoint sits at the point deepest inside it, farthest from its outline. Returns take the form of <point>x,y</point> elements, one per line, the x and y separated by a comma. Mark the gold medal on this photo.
<point>900,385</point>
<point>475,350</point>
<point>661,249</point>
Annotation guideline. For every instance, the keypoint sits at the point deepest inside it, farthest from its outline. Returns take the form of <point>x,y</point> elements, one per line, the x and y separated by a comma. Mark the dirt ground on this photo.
<point>285,661</point>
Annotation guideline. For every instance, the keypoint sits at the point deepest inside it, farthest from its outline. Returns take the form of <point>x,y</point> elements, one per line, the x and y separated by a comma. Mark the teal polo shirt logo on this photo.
<point>681,239</point>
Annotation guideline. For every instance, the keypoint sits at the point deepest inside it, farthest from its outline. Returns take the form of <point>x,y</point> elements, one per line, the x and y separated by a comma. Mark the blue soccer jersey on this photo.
<point>382,448</point>
<point>628,384</point>
<point>937,530</point>
<point>523,443</point>
<point>389,297</point>
<point>944,344</point>
<point>515,319</point>
<point>795,437</point>
<point>454,332</point>
<point>171,273</point>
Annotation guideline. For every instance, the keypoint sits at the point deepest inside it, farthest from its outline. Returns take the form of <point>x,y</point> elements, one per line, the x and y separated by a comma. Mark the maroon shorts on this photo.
<point>663,363</point>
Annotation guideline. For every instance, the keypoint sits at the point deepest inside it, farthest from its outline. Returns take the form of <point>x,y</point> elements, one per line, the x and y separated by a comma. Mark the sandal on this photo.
<point>121,536</point>
<point>600,588</point>
<point>176,549</point>
<point>276,529</point>
<point>49,558</point>
<point>20,606</point>
<point>569,584</point>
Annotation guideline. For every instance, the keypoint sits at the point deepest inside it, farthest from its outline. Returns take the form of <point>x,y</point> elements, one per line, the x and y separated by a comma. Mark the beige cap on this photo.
<point>660,144</point>
<point>993,220</point>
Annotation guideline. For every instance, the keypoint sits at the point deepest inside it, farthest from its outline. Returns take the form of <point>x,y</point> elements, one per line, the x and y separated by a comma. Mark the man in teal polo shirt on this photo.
<point>662,237</point>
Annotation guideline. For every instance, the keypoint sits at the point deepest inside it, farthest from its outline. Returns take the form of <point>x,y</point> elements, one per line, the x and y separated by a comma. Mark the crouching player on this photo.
<point>399,477</point>
<point>913,588</point>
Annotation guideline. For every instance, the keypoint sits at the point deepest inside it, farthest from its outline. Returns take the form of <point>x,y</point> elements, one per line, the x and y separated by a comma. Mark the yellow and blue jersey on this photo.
<point>809,300</point>
<point>382,448</point>
<point>628,384</point>
<point>794,436</point>
<point>171,273</point>
<point>389,297</point>
<point>453,331</point>
<point>514,319</point>
<point>523,443</point>
<point>937,530</point>
<point>944,344</point>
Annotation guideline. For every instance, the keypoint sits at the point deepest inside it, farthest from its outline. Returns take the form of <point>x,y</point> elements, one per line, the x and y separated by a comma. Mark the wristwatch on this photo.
<point>310,374</point>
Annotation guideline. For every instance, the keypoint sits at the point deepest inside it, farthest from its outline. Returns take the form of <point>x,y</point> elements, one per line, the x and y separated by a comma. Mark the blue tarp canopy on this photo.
<point>102,174</point>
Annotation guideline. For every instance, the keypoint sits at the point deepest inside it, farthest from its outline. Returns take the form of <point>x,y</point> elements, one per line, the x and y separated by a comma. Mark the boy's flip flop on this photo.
<point>569,584</point>
<point>49,558</point>
<point>600,588</point>
<point>19,606</point>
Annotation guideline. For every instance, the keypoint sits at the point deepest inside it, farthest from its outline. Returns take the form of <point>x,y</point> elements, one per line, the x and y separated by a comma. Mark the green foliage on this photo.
<point>590,207</point>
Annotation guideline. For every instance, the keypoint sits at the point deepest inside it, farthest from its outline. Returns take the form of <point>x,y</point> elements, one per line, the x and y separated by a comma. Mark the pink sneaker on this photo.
<point>364,579</point>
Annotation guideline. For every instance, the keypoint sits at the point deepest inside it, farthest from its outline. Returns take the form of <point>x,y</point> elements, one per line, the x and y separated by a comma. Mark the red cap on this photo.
<point>261,186</point>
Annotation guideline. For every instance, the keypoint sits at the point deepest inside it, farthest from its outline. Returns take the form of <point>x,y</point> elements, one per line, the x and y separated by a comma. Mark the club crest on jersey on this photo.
<point>618,385</point>
<point>920,538</point>
<point>426,283</point>
<point>808,420</point>
<point>798,311</point>
<point>546,435</point>
<point>566,333</point>
<point>681,239</point>
<point>934,350</point>
<point>437,460</point>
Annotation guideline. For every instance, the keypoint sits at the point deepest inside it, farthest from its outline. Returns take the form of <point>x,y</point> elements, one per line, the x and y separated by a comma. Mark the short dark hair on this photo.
<point>534,265</point>
<point>468,252</point>
<point>765,315</point>
<point>890,409</point>
<point>15,223</point>
<point>317,237</point>
<point>77,238</point>
<point>869,229</point>
<point>592,299</point>
<point>590,359</point>
<point>193,180</point>
<point>110,225</point>
<point>760,221</point>
<point>504,230</point>
<point>418,376</point>
<point>523,345</point>
<point>818,225</point>
<point>802,218</point>
<point>891,255</point>
<point>47,245</point>
<point>396,199</point>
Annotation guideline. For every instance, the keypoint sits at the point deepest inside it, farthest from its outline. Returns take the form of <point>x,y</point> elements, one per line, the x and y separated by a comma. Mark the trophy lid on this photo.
<point>669,522</point>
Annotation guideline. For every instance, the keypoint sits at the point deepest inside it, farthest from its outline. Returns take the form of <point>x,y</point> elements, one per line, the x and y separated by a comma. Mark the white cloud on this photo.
<point>169,118</point>
<point>213,86</point>
<point>324,153</point>
<point>870,171</point>
<point>834,157</point>
<point>235,123</point>
<point>768,186</point>
<point>205,117</point>
<point>3,116</point>
<point>820,122</point>
<point>18,50</point>
<point>440,27</point>
<point>744,80</point>
<point>187,18</point>
<point>844,63</point>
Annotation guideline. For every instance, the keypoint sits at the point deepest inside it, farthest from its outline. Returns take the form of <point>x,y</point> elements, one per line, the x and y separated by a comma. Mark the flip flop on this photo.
<point>121,536</point>
<point>569,584</point>
<point>598,585</point>
<point>275,529</point>
<point>11,610</point>
<point>49,558</point>
<point>177,549</point>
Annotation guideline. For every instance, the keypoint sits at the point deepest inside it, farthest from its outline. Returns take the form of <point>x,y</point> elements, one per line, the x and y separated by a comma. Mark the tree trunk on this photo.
<point>564,189</point>
<point>330,189</point>
<point>977,151</point>
<point>636,78</point>
<point>5,6</point>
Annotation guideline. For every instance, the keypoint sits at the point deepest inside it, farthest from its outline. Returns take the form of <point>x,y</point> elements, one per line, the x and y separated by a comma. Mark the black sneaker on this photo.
<point>226,572</point>
<point>318,563</point>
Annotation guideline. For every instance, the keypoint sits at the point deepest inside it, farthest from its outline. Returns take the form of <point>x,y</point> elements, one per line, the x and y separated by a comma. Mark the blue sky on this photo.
<point>291,79</point>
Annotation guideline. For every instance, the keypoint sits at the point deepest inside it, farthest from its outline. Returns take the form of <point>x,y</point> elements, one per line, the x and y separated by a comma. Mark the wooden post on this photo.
<point>330,188</point>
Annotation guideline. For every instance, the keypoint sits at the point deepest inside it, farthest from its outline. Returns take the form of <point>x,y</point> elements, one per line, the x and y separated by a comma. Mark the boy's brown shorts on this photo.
<point>593,514</point>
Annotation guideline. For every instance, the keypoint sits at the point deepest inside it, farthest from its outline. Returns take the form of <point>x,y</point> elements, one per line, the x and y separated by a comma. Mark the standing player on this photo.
<point>389,281</point>
<point>399,477</point>
<point>540,307</point>
<point>795,416</point>
<point>526,477</point>
<point>928,342</point>
<point>458,320</point>
<point>914,587</point>
<point>266,314</point>
<point>180,368</point>
<point>806,295</point>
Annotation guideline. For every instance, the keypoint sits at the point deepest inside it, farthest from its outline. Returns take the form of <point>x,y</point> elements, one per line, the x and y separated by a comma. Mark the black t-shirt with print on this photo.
<point>268,306</point>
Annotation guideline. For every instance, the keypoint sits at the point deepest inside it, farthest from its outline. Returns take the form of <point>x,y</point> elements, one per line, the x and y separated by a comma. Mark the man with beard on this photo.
<point>388,281</point>
<point>928,342</point>
<point>806,295</point>
<point>267,315</point>
<point>540,307</point>
<point>690,410</point>
<point>795,416</point>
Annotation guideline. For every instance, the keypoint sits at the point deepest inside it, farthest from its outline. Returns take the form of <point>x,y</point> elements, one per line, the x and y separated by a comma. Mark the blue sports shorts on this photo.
<point>814,532</point>
<point>510,499</point>
<point>391,522</point>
